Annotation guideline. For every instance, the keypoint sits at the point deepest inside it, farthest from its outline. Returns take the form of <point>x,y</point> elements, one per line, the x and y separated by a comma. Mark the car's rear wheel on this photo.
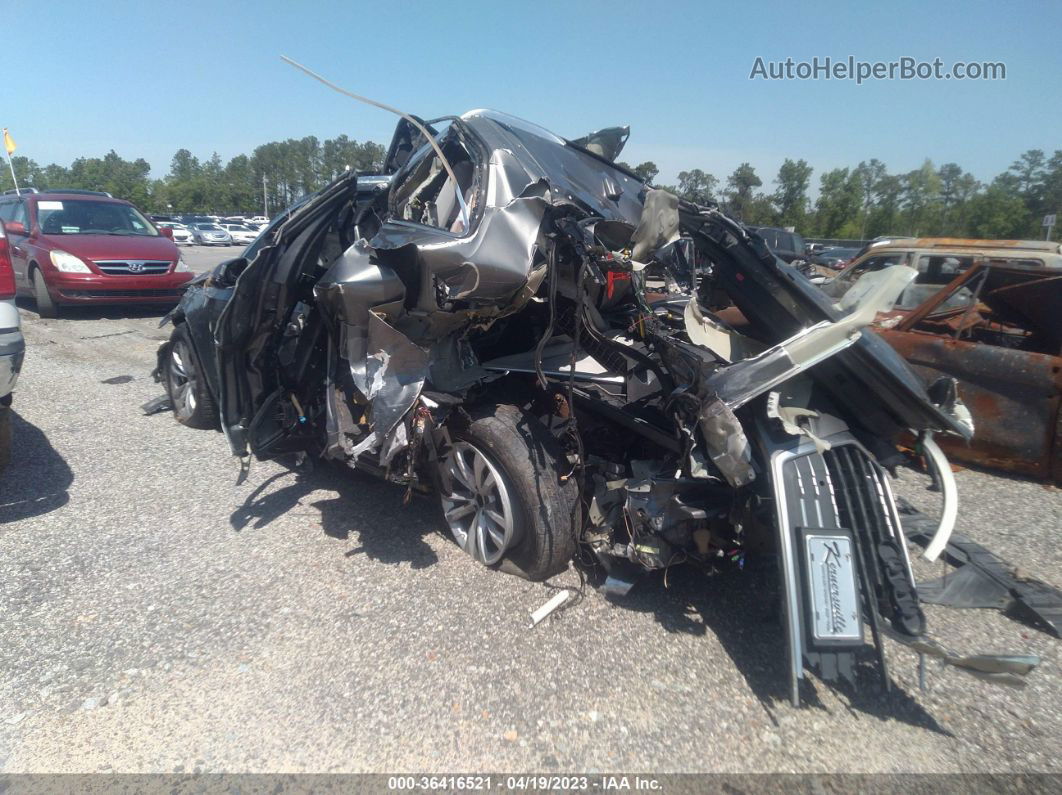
<point>46,306</point>
<point>193,405</point>
<point>505,493</point>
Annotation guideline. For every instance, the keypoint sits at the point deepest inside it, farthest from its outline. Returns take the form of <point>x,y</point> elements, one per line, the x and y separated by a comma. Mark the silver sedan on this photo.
<point>210,235</point>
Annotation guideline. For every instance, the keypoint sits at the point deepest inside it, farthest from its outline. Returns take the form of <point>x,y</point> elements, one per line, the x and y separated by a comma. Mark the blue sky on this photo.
<point>147,78</point>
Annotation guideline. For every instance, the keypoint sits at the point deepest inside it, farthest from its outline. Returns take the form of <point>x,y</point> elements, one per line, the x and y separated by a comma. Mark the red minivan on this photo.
<point>83,247</point>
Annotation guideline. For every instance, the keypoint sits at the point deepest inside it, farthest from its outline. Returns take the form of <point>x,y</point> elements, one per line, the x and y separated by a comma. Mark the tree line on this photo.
<point>867,201</point>
<point>278,172</point>
<point>859,203</point>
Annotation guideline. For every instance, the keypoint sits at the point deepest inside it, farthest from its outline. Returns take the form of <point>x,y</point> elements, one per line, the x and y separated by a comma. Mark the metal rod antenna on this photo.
<point>11,165</point>
<point>423,130</point>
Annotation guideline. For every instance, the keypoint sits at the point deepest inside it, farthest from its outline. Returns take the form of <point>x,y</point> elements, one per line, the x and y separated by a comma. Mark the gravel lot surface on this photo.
<point>159,618</point>
<point>204,258</point>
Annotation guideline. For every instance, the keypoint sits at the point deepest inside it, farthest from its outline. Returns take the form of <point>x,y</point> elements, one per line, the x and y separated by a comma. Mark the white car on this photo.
<point>241,235</point>
<point>261,220</point>
<point>182,235</point>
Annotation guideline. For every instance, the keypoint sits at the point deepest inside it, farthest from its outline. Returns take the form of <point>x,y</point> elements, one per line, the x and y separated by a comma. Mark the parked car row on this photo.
<point>181,234</point>
<point>70,247</point>
<point>240,234</point>
<point>207,234</point>
<point>212,230</point>
<point>790,247</point>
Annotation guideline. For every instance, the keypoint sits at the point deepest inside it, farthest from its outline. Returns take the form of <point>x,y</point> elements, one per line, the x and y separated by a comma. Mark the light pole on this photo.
<point>265,198</point>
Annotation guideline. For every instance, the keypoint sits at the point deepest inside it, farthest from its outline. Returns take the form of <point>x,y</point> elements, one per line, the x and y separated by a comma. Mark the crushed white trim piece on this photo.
<point>558,599</point>
<point>937,461</point>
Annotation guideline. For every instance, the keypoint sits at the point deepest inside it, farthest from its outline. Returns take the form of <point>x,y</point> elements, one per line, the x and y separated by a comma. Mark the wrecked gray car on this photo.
<point>572,360</point>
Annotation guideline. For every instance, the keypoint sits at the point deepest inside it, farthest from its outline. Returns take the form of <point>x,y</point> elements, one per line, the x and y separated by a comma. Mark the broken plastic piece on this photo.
<point>1031,600</point>
<point>741,382</point>
<point>157,405</point>
<point>723,342</point>
<point>943,475</point>
<point>1001,669</point>
<point>558,599</point>
<point>658,226</point>
<point>967,587</point>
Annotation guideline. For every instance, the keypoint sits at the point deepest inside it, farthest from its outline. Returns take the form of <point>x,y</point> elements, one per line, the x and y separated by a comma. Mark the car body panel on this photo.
<point>12,347</point>
<point>240,234</point>
<point>1014,397</point>
<point>788,246</point>
<point>966,252</point>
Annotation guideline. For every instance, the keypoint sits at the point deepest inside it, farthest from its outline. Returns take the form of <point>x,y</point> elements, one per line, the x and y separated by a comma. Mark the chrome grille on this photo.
<point>811,496</point>
<point>132,267</point>
<point>863,497</point>
<point>841,487</point>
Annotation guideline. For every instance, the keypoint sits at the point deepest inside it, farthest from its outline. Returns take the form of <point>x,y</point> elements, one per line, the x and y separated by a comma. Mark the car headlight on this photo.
<point>68,263</point>
<point>182,266</point>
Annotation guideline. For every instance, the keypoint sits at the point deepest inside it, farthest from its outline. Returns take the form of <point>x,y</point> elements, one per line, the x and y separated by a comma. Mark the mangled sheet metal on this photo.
<point>387,323</point>
<point>485,270</point>
<point>487,275</point>
<point>395,370</point>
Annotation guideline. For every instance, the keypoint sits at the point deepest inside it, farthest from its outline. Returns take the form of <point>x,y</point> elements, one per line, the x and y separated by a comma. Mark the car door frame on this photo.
<point>20,254</point>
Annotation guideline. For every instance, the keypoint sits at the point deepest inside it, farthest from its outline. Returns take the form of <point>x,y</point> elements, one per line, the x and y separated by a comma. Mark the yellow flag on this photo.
<point>9,142</point>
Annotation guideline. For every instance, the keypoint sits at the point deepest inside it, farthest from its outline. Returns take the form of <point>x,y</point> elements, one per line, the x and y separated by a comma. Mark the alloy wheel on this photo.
<point>479,507</point>
<point>182,380</point>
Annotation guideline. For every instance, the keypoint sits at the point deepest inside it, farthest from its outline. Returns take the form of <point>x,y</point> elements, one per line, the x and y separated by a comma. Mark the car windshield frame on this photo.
<point>457,132</point>
<point>45,210</point>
